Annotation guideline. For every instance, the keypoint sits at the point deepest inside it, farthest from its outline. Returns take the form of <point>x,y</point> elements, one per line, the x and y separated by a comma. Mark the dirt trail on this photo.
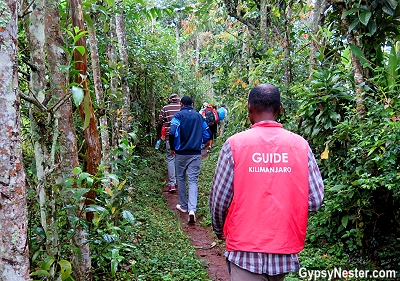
<point>202,239</point>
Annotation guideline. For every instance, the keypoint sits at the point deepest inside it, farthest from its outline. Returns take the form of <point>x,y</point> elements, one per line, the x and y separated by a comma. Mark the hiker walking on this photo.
<point>265,182</point>
<point>164,121</point>
<point>222,112</point>
<point>211,117</point>
<point>187,134</point>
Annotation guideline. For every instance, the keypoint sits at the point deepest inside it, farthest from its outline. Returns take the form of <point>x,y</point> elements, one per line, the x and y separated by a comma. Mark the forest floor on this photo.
<point>203,240</point>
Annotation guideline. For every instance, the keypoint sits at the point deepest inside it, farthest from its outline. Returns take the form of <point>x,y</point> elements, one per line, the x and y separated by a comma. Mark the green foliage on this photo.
<point>133,234</point>
<point>49,266</point>
<point>322,105</point>
<point>137,237</point>
<point>361,171</point>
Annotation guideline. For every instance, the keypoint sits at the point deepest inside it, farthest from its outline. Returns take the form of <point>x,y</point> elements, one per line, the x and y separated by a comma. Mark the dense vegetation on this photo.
<point>89,109</point>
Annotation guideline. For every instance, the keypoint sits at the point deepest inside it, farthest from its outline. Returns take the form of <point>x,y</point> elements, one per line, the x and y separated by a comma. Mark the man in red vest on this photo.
<point>265,183</point>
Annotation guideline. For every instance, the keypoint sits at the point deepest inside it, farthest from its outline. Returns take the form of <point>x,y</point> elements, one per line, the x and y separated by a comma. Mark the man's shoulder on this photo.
<point>238,135</point>
<point>294,135</point>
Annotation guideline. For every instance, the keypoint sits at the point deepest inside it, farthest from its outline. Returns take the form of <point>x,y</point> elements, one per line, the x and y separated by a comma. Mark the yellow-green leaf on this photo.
<point>325,154</point>
<point>66,269</point>
<point>121,185</point>
<point>109,191</point>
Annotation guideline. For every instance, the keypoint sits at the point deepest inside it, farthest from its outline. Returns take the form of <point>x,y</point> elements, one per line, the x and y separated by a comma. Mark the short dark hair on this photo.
<point>186,100</point>
<point>265,97</point>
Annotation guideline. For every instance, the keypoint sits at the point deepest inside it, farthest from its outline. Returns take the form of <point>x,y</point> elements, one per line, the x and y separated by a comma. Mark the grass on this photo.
<point>154,247</point>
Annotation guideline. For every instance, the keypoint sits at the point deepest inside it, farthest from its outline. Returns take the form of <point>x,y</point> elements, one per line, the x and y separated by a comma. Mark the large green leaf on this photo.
<point>359,54</point>
<point>77,95</point>
<point>80,49</point>
<point>79,192</point>
<point>393,3</point>
<point>392,67</point>
<point>345,220</point>
<point>65,268</point>
<point>46,264</point>
<point>349,12</point>
<point>96,208</point>
<point>354,24</point>
<point>128,216</point>
<point>40,272</point>
<point>337,187</point>
<point>372,27</point>
<point>364,17</point>
<point>388,10</point>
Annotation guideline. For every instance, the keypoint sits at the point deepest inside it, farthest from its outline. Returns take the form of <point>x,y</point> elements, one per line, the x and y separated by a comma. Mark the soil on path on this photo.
<point>203,240</point>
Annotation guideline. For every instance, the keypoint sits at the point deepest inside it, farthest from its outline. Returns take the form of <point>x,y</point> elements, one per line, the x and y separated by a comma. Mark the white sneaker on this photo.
<point>192,217</point>
<point>178,206</point>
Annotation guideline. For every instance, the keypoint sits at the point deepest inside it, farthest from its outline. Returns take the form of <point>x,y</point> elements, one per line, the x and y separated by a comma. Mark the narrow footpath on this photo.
<point>203,240</point>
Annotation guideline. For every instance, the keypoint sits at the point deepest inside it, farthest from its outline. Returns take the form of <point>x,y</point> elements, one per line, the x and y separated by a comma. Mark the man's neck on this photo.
<point>265,116</point>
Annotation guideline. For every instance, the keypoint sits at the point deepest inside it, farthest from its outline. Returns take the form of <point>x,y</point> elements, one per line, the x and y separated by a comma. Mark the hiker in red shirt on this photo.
<point>164,121</point>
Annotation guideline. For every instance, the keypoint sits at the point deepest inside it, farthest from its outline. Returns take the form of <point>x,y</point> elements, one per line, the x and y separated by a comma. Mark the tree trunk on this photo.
<point>288,46</point>
<point>14,252</point>
<point>317,21</point>
<point>357,68</point>
<point>64,124</point>
<point>91,138</point>
<point>41,128</point>
<point>98,89</point>
<point>112,58</point>
<point>264,22</point>
<point>126,107</point>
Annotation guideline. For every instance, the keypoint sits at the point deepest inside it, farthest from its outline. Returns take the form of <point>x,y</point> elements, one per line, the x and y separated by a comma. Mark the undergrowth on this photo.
<point>155,248</point>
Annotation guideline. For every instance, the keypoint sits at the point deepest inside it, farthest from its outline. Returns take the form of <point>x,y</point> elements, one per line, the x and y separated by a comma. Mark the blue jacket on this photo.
<point>188,132</point>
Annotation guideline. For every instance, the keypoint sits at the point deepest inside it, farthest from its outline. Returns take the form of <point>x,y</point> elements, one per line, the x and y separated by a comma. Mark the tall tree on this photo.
<point>318,19</point>
<point>367,26</point>
<point>83,261</point>
<point>14,252</point>
<point>98,89</point>
<point>122,48</point>
<point>42,126</point>
<point>112,60</point>
<point>63,129</point>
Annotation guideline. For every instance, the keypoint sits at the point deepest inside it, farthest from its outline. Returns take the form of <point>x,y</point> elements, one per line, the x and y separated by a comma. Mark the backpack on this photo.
<point>210,117</point>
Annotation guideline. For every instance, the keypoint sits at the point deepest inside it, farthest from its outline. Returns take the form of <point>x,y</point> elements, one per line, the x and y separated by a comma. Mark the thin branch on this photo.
<point>55,107</point>
<point>31,65</point>
<point>25,12</point>
<point>34,101</point>
<point>232,11</point>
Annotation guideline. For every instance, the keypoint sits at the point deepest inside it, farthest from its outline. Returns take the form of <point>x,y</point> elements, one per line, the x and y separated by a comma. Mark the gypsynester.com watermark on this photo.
<point>346,274</point>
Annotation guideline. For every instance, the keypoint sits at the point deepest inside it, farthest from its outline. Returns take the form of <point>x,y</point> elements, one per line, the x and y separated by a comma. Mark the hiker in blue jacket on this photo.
<point>187,133</point>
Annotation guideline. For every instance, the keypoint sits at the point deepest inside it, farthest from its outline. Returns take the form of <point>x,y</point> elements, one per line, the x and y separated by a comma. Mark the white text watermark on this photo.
<point>339,273</point>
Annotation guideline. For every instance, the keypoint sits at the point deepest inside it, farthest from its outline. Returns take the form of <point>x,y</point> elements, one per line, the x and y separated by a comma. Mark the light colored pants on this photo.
<point>171,166</point>
<point>240,274</point>
<point>187,165</point>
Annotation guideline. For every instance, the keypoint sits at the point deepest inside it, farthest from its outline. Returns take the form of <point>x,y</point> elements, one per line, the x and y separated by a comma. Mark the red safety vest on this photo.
<point>269,209</point>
